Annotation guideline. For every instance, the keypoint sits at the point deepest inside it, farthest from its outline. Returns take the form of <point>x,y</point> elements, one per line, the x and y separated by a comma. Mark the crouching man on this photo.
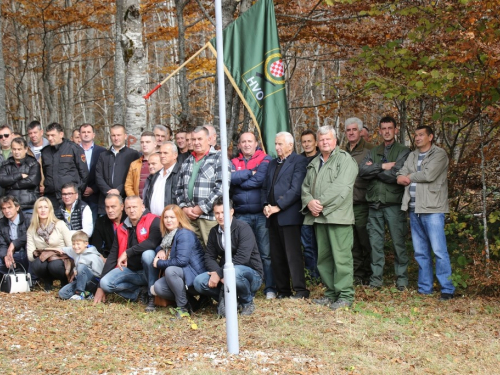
<point>246,259</point>
<point>129,267</point>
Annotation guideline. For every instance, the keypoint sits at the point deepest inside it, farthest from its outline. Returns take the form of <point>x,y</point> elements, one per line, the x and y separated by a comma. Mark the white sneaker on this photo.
<point>76,297</point>
<point>270,295</point>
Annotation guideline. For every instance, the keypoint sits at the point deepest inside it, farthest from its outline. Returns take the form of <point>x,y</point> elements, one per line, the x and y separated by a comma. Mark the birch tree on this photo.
<point>3,109</point>
<point>135,62</point>
<point>119,72</point>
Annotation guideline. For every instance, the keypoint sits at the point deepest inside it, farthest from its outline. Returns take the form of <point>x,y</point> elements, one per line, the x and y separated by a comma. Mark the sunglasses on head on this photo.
<point>4,136</point>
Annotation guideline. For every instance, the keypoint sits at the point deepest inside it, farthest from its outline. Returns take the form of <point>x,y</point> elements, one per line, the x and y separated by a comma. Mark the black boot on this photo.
<point>151,304</point>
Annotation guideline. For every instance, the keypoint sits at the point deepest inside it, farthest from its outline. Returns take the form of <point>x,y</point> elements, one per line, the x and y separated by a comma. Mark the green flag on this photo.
<point>253,64</point>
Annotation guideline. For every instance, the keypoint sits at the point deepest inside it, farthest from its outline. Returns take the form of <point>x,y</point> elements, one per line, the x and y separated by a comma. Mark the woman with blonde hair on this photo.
<point>180,255</point>
<point>46,237</point>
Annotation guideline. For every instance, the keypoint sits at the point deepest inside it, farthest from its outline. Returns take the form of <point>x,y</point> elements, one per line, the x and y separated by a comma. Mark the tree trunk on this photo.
<point>69,102</point>
<point>403,115</point>
<point>119,71</point>
<point>182,76</point>
<point>48,77</point>
<point>3,108</point>
<point>483,200</point>
<point>228,9</point>
<point>135,61</point>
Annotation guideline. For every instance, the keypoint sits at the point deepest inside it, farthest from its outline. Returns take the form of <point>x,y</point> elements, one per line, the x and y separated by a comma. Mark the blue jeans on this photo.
<point>248,281</point>
<point>308,239</point>
<point>427,232</point>
<point>20,257</point>
<point>258,224</point>
<point>83,282</point>
<point>128,283</point>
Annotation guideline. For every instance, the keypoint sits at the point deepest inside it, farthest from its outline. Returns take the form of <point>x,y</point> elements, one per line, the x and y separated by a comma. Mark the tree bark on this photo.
<point>182,76</point>
<point>119,71</point>
<point>135,62</point>
<point>3,108</point>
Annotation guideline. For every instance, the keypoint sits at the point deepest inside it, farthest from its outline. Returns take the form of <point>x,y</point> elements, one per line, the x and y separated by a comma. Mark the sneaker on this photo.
<point>283,296</point>
<point>77,297</point>
<point>247,309</point>
<point>402,288</point>
<point>270,295</point>
<point>182,311</point>
<point>374,287</point>
<point>446,296</point>
<point>323,301</point>
<point>340,304</point>
<point>300,296</point>
<point>151,304</point>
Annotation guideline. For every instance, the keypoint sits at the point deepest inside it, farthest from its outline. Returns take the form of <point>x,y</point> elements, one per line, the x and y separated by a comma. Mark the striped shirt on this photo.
<point>413,185</point>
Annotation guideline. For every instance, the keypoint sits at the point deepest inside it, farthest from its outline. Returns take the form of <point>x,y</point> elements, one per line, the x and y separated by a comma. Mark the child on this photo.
<point>88,265</point>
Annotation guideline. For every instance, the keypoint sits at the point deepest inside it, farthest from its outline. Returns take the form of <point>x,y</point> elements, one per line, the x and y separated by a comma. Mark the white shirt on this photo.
<point>157,203</point>
<point>88,154</point>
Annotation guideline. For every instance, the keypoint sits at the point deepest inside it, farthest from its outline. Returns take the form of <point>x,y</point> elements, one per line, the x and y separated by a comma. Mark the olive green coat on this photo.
<point>333,186</point>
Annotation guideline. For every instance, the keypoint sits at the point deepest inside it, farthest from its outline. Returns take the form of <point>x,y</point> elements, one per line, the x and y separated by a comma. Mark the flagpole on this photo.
<point>175,71</point>
<point>229,273</point>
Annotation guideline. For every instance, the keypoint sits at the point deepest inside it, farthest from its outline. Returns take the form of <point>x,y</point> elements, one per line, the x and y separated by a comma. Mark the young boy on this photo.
<point>88,265</point>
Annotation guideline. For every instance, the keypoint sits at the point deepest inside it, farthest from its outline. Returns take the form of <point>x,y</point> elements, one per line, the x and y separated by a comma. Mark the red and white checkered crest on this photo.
<point>277,69</point>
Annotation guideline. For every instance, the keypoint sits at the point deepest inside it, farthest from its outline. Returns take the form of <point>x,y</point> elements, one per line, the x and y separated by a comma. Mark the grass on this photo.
<point>385,332</point>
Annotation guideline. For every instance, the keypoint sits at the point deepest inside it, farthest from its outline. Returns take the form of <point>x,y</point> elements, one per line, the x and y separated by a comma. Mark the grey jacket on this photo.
<point>90,257</point>
<point>432,181</point>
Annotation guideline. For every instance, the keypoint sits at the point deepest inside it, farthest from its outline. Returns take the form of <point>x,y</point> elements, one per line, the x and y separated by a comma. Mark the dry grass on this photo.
<point>384,333</point>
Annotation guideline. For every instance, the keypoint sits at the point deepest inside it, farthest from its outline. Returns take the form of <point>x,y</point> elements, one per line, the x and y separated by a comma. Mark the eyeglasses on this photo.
<point>2,136</point>
<point>67,194</point>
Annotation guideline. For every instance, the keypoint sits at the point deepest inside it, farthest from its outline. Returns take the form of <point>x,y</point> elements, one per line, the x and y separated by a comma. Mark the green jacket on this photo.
<point>332,186</point>
<point>358,153</point>
<point>383,188</point>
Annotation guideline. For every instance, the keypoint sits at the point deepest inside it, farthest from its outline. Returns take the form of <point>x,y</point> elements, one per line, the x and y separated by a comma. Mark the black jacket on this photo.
<point>91,181</point>
<point>111,172</point>
<point>22,228</point>
<point>244,249</point>
<point>170,187</point>
<point>287,188</point>
<point>104,234</point>
<point>62,164</point>
<point>26,190</point>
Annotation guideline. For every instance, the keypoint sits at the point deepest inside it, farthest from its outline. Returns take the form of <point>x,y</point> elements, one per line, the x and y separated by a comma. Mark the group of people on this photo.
<point>151,224</point>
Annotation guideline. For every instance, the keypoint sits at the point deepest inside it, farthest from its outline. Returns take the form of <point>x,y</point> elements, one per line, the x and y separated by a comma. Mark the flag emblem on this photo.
<point>277,69</point>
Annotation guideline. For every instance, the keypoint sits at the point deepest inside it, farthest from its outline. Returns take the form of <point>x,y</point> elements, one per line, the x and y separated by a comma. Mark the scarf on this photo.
<point>45,231</point>
<point>166,243</point>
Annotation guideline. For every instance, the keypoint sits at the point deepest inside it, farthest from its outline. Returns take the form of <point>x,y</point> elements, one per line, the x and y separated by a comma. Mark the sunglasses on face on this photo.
<point>2,136</point>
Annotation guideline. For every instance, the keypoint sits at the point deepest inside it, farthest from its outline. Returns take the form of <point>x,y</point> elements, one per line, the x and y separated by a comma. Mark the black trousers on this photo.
<point>287,259</point>
<point>50,271</point>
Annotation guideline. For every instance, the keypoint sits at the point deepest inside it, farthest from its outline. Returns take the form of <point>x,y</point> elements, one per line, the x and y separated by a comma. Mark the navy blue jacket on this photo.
<point>186,253</point>
<point>91,181</point>
<point>22,229</point>
<point>287,188</point>
<point>245,185</point>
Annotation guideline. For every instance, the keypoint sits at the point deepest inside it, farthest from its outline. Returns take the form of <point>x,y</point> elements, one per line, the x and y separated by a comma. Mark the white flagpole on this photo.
<point>233,345</point>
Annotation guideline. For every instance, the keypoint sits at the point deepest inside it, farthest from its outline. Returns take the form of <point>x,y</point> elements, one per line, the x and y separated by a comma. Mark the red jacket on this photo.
<point>142,232</point>
<point>148,237</point>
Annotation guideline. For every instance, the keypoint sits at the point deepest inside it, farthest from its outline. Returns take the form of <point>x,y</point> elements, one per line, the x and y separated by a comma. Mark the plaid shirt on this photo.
<point>208,184</point>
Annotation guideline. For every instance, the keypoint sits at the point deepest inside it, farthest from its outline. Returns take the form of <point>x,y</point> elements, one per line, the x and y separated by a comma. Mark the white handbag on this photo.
<point>16,281</point>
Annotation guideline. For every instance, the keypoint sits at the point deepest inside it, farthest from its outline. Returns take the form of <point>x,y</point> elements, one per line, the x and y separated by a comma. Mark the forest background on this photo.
<point>424,62</point>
